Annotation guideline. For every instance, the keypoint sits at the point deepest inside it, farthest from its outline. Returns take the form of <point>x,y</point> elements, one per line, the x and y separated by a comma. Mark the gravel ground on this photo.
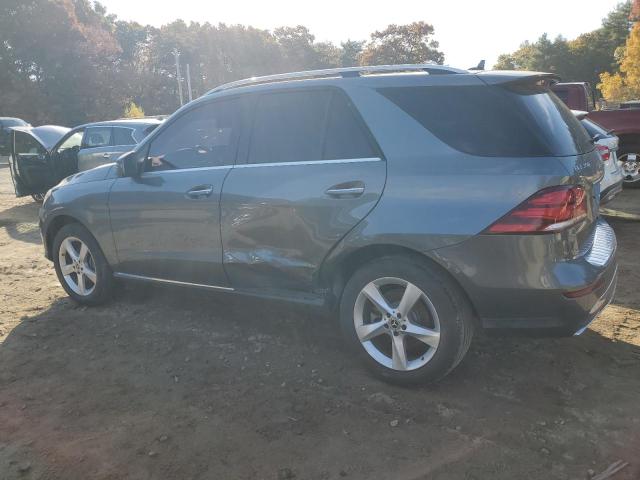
<point>176,384</point>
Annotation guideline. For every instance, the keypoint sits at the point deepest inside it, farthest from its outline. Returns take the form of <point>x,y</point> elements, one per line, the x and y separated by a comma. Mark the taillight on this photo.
<point>605,153</point>
<point>549,210</point>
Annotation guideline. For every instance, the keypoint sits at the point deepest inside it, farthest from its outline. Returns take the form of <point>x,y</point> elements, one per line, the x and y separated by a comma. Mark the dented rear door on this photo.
<point>310,173</point>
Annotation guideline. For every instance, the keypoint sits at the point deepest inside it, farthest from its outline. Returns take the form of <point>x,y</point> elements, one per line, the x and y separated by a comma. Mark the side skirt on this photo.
<point>305,298</point>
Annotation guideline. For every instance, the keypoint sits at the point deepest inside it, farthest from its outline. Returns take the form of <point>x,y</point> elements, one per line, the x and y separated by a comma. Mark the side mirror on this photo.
<point>129,165</point>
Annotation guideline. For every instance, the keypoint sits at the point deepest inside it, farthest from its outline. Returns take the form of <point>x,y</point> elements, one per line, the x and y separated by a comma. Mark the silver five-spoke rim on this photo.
<point>396,323</point>
<point>630,167</point>
<point>77,266</point>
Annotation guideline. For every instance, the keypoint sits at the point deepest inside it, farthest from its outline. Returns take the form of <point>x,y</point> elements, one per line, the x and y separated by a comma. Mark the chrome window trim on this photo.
<point>255,165</point>
<point>131,276</point>
<point>194,169</point>
<point>310,162</point>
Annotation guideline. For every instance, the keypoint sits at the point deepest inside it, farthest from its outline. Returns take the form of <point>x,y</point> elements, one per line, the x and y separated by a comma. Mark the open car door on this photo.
<point>30,160</point>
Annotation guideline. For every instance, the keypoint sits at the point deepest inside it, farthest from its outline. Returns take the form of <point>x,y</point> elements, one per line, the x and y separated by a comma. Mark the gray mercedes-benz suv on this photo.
<point>419,202</point>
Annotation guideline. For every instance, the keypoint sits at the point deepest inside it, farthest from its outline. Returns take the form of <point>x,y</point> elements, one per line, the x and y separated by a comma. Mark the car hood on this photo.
<point>94,175</point>
<point>46,135</point>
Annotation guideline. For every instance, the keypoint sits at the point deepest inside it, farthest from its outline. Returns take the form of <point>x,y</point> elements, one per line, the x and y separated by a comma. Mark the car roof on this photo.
<point>47,135</point>
<point>127,122</point>
<point>14,119</point>
<point>370,73</point>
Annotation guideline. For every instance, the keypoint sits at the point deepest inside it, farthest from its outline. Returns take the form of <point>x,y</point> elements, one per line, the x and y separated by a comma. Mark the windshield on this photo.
<point>73,141</point>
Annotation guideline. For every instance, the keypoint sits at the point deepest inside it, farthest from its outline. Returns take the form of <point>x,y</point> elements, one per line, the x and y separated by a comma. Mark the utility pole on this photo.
<point>189,82</point>
<point>176,54</point>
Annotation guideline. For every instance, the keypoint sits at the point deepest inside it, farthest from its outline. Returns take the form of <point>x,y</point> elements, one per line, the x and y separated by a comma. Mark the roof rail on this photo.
<point>430,68</point>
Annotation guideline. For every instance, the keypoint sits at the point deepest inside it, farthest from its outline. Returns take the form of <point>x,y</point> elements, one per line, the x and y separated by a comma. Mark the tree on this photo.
<point>59,56</point>
<point>412,43</point>
<point>543,55</point>
<point>350,53</point>
<point>296,47</point>
<point>133,111</point>
<point>624,85</point>
<point>582,59</point>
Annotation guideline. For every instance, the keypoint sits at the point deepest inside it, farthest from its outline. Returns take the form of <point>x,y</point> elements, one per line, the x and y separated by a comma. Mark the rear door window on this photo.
<point>346,136</point>
<point>289,127</point>
<point>307,125</point>
<point>524,120</point>
<point>95,137</point>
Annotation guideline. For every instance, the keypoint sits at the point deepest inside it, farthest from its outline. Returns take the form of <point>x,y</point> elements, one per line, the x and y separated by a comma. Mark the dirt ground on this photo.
<point>175,384</point>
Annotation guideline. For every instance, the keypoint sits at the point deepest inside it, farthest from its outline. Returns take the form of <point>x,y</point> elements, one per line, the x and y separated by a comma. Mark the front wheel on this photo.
<point>38,197</point>
<point>81,266</point>
<point>409,323</point>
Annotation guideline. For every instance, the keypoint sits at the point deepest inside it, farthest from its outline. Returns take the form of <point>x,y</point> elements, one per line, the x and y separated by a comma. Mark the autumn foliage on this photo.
<point>69,62</point>
<point>625,84</point>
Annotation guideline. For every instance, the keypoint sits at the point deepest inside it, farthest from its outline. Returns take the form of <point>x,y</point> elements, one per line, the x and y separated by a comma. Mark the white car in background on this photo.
<point>607,145</point>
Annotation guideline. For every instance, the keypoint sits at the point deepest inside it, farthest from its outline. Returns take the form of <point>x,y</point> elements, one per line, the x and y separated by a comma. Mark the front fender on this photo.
<point>84,203</point>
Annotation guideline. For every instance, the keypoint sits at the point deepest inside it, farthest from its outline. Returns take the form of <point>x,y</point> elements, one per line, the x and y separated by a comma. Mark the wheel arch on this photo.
<point>53,228</point>
<point>337,273</point>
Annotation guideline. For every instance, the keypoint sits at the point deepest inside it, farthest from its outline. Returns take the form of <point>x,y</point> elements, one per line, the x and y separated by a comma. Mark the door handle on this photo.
<point>106,155</point>
<point>344,190</point>
<point>201,191</point>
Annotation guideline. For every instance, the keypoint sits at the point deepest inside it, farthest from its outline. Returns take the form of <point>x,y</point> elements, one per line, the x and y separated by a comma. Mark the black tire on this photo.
<point>103,286</point>
<point>452,308</point>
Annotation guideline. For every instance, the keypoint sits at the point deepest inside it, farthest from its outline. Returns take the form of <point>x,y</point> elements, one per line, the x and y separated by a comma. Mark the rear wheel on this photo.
<point>80,265</point>
<point>631,169</point>
<point>410,324</point>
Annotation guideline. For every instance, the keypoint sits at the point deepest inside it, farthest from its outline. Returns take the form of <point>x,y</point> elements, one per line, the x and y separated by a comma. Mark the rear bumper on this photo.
<point>516,283</point>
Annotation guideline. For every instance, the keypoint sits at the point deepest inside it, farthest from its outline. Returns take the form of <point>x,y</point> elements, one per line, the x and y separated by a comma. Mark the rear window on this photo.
<point>496,121</point>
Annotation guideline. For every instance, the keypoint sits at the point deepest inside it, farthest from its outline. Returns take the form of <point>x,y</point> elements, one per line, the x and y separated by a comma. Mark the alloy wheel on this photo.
<point>77,266</point>
<point>630,167</point>
<point>396,323</point>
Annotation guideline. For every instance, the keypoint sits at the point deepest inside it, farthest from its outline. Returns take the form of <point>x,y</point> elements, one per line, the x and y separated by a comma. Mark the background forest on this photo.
<point>69,61</point>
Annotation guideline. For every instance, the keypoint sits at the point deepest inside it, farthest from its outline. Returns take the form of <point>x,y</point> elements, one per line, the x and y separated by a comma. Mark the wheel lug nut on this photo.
<point>404,327</point>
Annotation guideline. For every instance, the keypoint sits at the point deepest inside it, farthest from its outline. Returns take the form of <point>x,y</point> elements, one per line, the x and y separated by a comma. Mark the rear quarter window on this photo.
<point>496,121</point>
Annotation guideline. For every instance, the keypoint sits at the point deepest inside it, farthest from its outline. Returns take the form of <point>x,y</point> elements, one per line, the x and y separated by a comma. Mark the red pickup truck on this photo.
<point>625,123</point>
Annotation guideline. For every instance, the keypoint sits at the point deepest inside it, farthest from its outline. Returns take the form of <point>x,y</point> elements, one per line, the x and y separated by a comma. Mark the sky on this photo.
<point>468,30</point>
